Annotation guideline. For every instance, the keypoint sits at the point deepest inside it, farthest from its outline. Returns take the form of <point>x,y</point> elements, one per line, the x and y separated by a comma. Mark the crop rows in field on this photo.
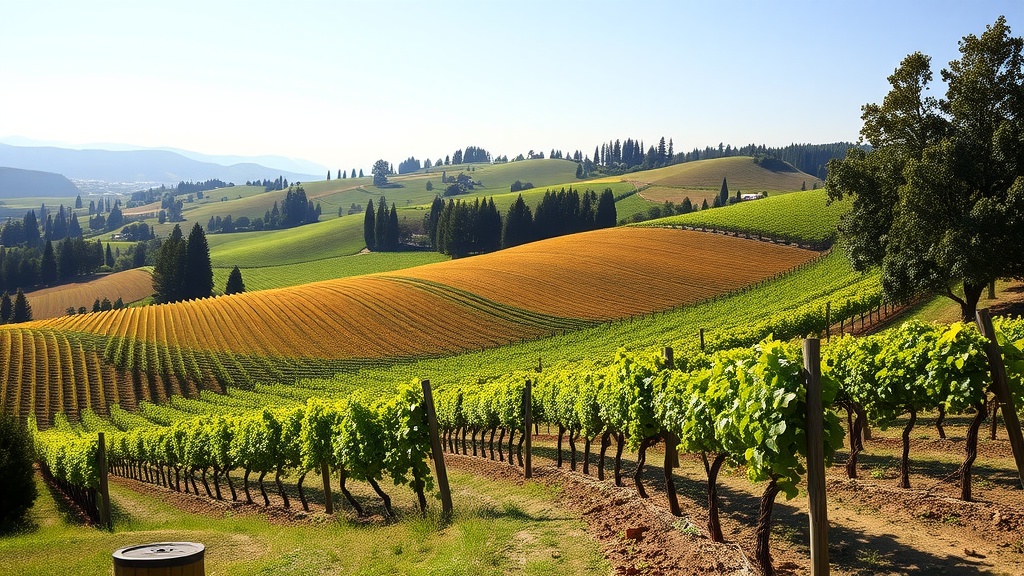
<point>796,217</point>
<point>362,317</point>
<point>616,272</point>
<point>130,285</point>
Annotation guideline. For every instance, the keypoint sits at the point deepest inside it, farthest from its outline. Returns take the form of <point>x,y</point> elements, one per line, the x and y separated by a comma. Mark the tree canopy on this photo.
<point>938,202</point>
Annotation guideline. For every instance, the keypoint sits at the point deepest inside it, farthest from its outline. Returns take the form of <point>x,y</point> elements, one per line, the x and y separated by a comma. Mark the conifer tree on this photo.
<point>169,268</point>
<point>198,281</point>
<point>723,194</point>
<point>109,257</point>
<point>369,232</point>
<point>21,312</point>
<point>518,227</point>
<point>48,265</point>
<point>235,284</point>
<point>605,216</point>
<point>5,307</point>
<point>391,232</point>
<point>380,228</point>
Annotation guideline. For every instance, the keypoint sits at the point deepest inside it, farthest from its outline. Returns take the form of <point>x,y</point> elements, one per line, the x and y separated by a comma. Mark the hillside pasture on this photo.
<point>797,217</point>
<point>129,285</point>
<point>614,273</point>
<point>741,171</point>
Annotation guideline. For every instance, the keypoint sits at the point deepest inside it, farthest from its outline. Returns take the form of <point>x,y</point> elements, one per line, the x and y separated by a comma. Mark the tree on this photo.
<point>938,203</point>
<point>391,233</point>
<point>380,171</point>
<point>5,307</point>
<point>22,311</point>
<point>235,284</point>
<point>380,227</point>
<point>109,257</point>
<point>605,216</point>
<point>169,268</point>
<point>723,194</point>
<point>328,175</point>
<point>48,265</point>
<point>198,280</point>
<point>369,220</point>
<point>518,227</point>
<point>16,475</point>
<point>78,201</point>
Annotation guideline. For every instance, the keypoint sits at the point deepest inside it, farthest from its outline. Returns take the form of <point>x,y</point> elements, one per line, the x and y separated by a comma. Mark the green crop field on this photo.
<point>267,277</point>
<point>799,216</point>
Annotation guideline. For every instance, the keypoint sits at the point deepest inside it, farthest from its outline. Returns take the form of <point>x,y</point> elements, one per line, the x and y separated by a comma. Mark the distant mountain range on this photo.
<point>18,183</point>
<point>145,166</point>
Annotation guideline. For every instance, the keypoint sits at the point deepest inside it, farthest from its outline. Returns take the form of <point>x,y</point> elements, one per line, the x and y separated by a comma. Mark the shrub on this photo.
<point>16,474</point>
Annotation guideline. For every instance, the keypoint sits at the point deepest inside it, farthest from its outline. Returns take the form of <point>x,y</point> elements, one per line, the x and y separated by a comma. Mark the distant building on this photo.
<point>745,197</point>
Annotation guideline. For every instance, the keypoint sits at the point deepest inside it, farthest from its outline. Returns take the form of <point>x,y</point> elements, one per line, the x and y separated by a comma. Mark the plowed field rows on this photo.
<point>362,317</point>
<point>616,272</point>
<point>130,285</point>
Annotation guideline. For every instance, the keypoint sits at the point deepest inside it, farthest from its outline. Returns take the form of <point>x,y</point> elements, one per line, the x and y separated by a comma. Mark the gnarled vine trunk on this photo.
<point>905,460</point>
<point>762,553</point>
<point>971,452</point>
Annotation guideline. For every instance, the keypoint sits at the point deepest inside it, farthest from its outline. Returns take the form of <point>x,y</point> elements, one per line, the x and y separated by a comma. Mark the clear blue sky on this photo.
<point>345,83</point>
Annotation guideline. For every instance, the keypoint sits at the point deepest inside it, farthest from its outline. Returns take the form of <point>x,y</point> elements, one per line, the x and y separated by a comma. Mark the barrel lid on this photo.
<point>159,555</point>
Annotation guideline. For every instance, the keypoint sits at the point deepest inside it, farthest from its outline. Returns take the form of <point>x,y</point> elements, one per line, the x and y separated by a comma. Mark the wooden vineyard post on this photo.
<point>435,450</point>
<point>101,463</point>
<point>527,427</point>
<point>992,290</point>
<point>817,505</point>
<point>701,333</point>
<point>1002,390</point>
<point>671,449</point>
<point>325,472</point>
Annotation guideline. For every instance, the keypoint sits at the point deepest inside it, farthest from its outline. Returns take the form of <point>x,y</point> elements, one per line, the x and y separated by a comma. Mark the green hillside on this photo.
<point>797,217</point>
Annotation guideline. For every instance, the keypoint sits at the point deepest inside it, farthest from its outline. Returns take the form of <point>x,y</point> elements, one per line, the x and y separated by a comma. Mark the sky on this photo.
<point>343,83</point>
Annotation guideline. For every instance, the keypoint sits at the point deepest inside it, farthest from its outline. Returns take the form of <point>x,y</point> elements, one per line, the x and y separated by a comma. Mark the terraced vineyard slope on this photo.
<point>615,273</point>
<point>563,285</point>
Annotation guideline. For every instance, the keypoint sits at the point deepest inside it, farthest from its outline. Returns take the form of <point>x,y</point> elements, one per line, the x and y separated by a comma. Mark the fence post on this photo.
<point>325,472</point>
<point>101,463</point>
<point>1002,390</point>
<point>527,425</point>
<point>701,339</point>
<point>435,451</point>
<point>817,505</point>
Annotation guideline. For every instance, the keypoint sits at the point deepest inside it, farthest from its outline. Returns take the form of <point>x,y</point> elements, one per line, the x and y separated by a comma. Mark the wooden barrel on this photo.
<point>160,559</point>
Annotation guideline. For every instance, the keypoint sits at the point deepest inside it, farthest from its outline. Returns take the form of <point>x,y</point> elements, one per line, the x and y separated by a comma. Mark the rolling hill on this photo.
<point>129,285</point>
<point>20,183</point>
<point>702,179</point>
<point>133,165</point>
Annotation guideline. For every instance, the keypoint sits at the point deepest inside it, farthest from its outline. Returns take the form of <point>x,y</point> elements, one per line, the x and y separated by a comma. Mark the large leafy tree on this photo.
<point>938,202</point>
<point>380,172</point>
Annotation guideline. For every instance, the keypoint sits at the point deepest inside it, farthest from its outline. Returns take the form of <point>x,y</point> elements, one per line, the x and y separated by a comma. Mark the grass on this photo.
<point>327,239</point>
<point>492,521</point>
<point>268,277</point>
<point>740,172</point>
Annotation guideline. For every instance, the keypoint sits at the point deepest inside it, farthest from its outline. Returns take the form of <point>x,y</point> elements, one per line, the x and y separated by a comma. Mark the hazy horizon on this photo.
<point>342,84</point>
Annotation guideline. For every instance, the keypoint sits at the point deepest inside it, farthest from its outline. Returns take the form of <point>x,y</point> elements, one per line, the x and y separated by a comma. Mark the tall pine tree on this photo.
<point>235,284</point>
<point>369,222</point>
<point>198,268</point>
<point>169,268</point>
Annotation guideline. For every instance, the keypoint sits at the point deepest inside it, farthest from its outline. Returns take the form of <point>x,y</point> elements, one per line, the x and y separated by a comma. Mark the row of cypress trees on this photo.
<point>380,227</point>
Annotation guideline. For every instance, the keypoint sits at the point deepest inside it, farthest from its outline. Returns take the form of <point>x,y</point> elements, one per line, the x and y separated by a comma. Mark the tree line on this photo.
<point>459,228</point>
<point>295,210</point>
